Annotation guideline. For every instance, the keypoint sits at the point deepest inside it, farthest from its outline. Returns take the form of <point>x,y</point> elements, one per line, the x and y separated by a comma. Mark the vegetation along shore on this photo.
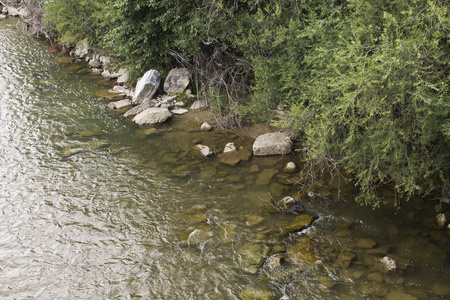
<point>360,86</point>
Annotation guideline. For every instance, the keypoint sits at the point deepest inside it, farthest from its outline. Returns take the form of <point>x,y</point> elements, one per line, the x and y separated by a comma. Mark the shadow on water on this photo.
<point>94,207</point>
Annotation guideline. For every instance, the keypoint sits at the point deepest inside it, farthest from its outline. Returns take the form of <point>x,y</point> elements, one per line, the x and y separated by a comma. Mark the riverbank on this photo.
<point>123,211</point>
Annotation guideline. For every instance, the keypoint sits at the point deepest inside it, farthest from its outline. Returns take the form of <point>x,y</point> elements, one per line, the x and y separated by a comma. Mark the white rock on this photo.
<point>229,148</point>
<point>119,104</point>
<point>272,144</point>
<point>199,104</point>
<point>152,115</point>
<point>205,127</point>
<point>179,111</point>
<point>205,150</point>
<point>389,263</point>
<point>146,86</point>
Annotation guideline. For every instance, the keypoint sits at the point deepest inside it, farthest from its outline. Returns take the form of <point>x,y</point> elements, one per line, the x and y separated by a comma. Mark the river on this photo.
<point>93,207</point>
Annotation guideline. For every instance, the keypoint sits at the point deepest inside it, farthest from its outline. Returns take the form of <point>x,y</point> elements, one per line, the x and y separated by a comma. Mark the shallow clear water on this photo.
<point>93,207</point>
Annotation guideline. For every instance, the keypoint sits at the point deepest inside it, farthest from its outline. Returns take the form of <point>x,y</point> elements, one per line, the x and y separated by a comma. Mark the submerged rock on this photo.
<point>303,250</point>
<point>252,256</point>
<point>299,223</point>
<point>394,295</point>
<point>232,158</point>
<point>367,243</point>
<point>253,293</point>
<point>272,144</point>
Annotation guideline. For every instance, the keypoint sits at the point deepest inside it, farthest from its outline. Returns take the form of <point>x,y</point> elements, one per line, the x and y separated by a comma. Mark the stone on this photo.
<point>177,80</point>
<point>204,150</point>
<point>23,12</point>
<point>388,263</point>
<point>12,11</point>
<point>252,256</point>
<point>252,220</point>
<point>299,223</point>
<point>147,103</point>
<point>105,60</point>
<point>106,73</point>
<point>123,77</point>
<point>326,282</point>
<point>146,86</point>
<point>290,167</point>
<point>366,243</point>
<point>91,133</point>
<point>394,295</point>
<point>441,220</point>
<point>377,277</point>
<point>119,104</point>
<point>253,293</point>
<point>289,205</point>
<point>95,63</point>
<point>179,111</point>
<point>441,289</point>
<point>303,250</point>
<point>205,127</point>
<point>276,143</point>
<point>81,49</point>
<point>199,104</point>
<point>152,115</point>
<point>2,17</point>
<point>229,148</point>
<point>265,176</point>
<point>232,158</point>
<point>96,71</point>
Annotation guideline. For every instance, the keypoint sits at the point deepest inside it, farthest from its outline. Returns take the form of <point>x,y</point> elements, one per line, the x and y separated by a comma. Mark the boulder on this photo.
<point>95,63</point>
<point>252,256</point>
<point>12,11</point>
<point>123,77</point>
<point>272,144</point>
<point>23,12</point>
<point>199,104</point>
<point>299,223</point>
<point>152,115</point>
<point>119,104</point>
<point>232,158</point>
<point>81,48</point>
<point>147,103</point>
<point>253,293</point>
<point>2,17</point>
<point>177,80</point>
<point>146,86</point>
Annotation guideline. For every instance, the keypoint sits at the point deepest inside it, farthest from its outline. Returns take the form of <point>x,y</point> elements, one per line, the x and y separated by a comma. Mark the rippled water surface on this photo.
<point>93,207</point>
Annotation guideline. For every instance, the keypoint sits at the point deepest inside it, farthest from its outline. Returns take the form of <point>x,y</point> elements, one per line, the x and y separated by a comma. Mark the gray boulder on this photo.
<point>95,63</point>
<point>81,48</point>
<point>119,104</point>
<point>152,115</point>
<point>177,80</point>
<point>147,103</point>
<point>272,144</point>
<point>12,11</point>
<point>146,86</point>
<point>199,104</point>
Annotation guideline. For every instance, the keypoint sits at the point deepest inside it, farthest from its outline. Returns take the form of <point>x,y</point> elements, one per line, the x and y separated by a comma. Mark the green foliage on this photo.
<point>73,20</point>
<point>366,82</point>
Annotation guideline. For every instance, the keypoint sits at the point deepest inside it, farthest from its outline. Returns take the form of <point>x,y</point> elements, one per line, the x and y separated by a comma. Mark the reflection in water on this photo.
<point>95,208</point>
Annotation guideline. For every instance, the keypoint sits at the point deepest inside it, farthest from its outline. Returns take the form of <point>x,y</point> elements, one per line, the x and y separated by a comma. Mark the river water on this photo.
<point>93,207</point>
